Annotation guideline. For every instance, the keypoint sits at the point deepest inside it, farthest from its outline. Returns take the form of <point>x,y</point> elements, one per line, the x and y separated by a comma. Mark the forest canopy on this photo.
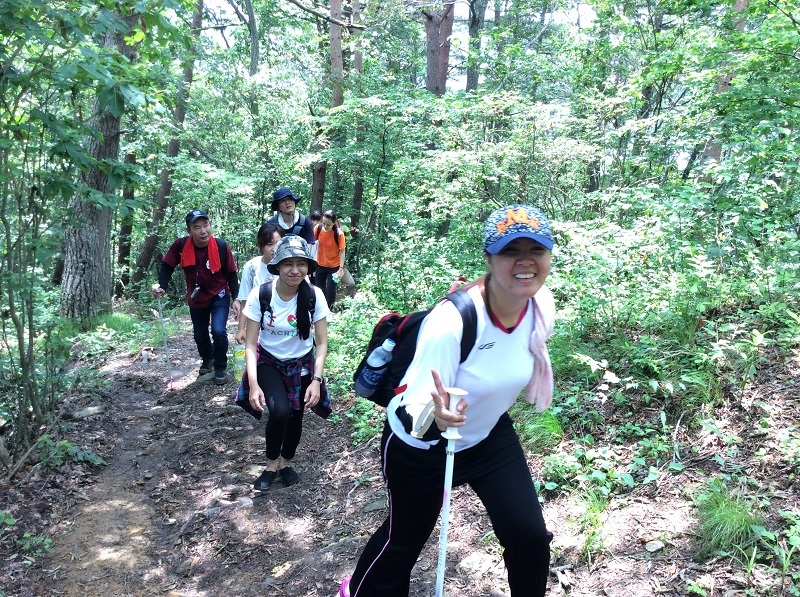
<point>661,138</point>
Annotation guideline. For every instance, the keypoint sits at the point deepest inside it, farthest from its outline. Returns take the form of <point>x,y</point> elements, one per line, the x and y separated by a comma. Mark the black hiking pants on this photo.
<point>285,425</point>
<point>497,471</point>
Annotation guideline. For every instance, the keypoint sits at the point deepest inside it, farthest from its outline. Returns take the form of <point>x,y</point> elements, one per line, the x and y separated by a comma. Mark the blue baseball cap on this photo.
<point>516,221</point>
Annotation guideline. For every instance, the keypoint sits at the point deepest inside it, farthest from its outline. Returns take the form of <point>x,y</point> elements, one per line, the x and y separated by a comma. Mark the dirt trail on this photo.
<point>174,512</point>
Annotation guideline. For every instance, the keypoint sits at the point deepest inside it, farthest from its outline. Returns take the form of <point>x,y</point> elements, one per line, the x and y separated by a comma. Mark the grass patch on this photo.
<point>726,520</point>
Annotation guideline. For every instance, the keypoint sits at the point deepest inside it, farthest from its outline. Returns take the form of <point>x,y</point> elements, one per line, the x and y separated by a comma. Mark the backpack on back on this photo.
<point>294,230</point>
<point>318,228</point>
<point>265,301</point>
<point>404,329</point>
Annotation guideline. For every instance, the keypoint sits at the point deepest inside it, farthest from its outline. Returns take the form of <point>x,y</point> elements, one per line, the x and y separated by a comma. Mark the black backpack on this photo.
<point>296,229</point>
<point>403,329</point>
<point>265,301</point>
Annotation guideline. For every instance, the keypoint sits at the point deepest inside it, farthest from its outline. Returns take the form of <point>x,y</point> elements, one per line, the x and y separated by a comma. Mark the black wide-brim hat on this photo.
<point>280,194</point>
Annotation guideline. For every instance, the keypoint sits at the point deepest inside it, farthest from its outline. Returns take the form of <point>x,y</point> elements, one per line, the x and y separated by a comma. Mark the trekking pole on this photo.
<point>451,435</point>
<point>166,350</point>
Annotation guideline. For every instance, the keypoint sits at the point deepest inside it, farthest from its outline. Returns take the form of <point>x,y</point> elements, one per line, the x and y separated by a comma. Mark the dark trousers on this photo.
<point>498,473</point>
<point>285,426</point>
<point>323,278</point>
<point>217,345</point>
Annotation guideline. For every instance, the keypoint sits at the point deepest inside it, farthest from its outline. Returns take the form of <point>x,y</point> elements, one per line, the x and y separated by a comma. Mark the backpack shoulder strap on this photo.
<point>264,299</point>
<point>317,230</point>
<point>222,247</point>
<point>312,304</point>
<point>298,228</point>
<point>466,308</point>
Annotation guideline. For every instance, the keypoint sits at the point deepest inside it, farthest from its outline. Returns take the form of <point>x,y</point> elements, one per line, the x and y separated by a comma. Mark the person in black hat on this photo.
<point>288,218</point>
<point>210,271</point>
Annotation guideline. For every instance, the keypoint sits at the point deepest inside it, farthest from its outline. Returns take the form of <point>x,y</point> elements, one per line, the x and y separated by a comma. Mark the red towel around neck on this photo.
<point>187,257</point>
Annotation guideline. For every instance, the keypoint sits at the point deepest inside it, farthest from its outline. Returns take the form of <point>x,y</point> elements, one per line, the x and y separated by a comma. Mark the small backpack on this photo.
<point>404,329</point>
<point>265,302</point>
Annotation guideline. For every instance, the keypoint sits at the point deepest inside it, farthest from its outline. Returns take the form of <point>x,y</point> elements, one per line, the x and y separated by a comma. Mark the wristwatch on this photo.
<point>317,378</point>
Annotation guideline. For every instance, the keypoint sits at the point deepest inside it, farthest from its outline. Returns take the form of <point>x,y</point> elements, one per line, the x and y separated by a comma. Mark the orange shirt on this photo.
<point>327,249</point>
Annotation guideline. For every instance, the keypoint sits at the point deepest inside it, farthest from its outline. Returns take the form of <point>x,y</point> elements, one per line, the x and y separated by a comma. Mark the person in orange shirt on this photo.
<point>331,246</point>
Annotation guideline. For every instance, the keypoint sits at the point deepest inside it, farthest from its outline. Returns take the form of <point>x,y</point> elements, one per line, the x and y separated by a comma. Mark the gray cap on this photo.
<point>288,247</point>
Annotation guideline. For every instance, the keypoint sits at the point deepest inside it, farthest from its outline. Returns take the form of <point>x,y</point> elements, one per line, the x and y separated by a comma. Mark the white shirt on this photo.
<point>279,331</point>
<point>254,274</point>
<point>497,369</point>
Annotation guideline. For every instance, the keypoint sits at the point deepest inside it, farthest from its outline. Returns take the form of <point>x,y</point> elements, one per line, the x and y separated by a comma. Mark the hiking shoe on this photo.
<point>206,367</point>
<point>220,377</point>
<point>344,589</point>
<point>289,476</point>
<point>265,480</point>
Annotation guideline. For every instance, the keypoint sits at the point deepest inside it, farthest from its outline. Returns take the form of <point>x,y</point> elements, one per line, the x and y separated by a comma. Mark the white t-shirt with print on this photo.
<point>494,374</point>
<point>279,333</point>
<point>254,274</point>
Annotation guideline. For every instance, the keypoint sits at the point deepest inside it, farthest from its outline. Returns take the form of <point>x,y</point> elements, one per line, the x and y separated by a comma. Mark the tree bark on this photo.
<point>86,283</point>
<point>438,28</point>
<point>477,17</point>
<point>713,150</point>
<point>125,231</point>
<point>162,199</point>
<point>358,182</point>
<point>319,169</point>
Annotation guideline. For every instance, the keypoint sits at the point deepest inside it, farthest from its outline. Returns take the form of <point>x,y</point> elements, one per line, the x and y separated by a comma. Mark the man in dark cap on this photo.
<point>210,271</point>
<point>288,218</point>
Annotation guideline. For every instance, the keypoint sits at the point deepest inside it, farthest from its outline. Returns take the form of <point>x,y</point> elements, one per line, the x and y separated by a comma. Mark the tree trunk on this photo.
<point>477,16</point>
<point>713,150</point>
<point>162,199</point>
<point>358,182</point>
<point>86,283</point>
<point>319,169</point>
<point>438,28</point>
<point>125,231</point>
<point>337,61</point>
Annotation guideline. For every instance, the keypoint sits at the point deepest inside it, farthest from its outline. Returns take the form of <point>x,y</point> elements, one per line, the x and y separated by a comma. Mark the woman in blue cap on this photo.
<point>515,313</point>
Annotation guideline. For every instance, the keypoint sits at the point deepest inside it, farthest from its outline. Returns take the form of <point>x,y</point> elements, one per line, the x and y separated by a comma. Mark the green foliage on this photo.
<point>6,521</point>
<point>726,519</point>
<point>34,545</point>
<point>54,454</point>
<point>366,418</point>
<point>538,432</point>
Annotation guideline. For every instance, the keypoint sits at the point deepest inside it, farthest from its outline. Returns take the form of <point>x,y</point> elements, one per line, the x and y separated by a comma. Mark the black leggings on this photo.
<point>497,471</point>
<point>285,426</point>
<point>323,278</point>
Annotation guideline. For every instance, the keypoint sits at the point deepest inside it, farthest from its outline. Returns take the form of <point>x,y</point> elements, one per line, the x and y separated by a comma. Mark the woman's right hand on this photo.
<point>442,414</point>
<point>257,399</point>
<point>240,336</point>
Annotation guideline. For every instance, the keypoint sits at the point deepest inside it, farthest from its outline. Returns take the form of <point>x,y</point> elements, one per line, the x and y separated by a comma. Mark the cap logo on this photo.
<point>518,216</point>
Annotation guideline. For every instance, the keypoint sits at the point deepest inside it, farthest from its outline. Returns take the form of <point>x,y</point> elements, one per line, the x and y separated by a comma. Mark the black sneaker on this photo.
<point>206,367</point>
<point>220,377</point>
<point>289,476</point>
<point>265,480</point>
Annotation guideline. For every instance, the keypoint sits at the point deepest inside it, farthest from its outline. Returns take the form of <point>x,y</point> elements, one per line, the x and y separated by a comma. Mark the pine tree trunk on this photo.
<point>477,16</point>
<point>162,199</point>
<point>86,283</point>
<point>438,28</point>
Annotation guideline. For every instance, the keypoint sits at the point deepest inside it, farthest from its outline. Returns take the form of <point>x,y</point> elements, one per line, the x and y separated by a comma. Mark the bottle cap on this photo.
<point>388,344</point>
